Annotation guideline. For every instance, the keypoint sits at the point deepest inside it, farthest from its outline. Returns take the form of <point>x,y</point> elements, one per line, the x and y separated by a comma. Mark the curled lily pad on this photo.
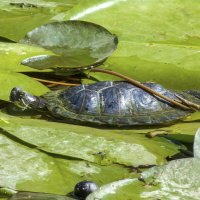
<point>76,44</point>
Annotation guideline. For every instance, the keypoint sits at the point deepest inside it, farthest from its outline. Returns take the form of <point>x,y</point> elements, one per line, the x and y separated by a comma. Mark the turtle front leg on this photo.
<point>24,100</point>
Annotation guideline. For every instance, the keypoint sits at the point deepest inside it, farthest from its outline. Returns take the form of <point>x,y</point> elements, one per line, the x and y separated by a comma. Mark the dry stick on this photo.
<point>140,85</point>
<point>188,103</point>
<point>55,82</point>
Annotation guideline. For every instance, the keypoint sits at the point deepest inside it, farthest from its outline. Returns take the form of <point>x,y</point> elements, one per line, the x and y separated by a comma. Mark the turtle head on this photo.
<point>24,100</point>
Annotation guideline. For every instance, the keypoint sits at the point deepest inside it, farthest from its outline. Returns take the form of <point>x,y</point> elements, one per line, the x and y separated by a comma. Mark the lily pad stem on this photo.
<point>147,89</point>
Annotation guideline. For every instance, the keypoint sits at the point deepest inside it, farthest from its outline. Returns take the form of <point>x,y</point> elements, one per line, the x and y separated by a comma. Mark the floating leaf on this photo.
<point>43,62</point>
<point>24,168</point>
<point>179,179</point>
<point>27,169</point>
<point>109,190</point>
<point>78,44</point>
<point>103,146</point>
<point>159,40</point>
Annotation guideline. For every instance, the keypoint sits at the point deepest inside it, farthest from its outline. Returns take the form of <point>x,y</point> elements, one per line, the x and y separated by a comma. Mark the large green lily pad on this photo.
<point>25,168</point>
<point>104,146</point>
<point>159,40</point>
<point>118,190</point>
<point>179,179</point>
<point>77,44</point>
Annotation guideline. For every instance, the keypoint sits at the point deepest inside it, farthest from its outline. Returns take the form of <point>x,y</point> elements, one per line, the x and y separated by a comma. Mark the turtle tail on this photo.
<point>25,100</point>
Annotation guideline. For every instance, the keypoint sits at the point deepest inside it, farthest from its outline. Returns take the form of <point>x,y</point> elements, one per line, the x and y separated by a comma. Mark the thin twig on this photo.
<point>72,79</point>
<point>152,134</point>
<point>188,103</point>
<point>55,82</point>
<point>140,85</point>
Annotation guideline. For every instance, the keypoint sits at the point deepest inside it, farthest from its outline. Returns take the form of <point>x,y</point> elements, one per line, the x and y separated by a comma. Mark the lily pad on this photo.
<point>24,168</point>
<point>27,169</point>
<point>123,189</point>
<point>91,144</point>
<point>179,179</point>
<point>159,40</point>
<point>77,44</point>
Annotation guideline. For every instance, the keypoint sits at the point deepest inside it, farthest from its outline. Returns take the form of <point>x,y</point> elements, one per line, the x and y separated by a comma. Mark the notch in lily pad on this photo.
<point>75,44</point>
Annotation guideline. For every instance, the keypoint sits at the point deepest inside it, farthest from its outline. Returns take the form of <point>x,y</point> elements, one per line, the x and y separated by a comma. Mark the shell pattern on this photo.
<point>114,103</point>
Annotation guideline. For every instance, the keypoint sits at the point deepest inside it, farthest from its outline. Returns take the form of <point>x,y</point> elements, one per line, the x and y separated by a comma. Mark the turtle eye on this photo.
<point>21,94</point>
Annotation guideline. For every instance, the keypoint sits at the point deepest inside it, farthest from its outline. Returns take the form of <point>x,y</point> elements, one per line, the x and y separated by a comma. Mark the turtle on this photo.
<point>116,103</point>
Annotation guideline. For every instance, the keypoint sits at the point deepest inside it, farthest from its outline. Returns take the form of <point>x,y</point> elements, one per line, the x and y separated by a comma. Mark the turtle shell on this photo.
<point>114,103</point>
